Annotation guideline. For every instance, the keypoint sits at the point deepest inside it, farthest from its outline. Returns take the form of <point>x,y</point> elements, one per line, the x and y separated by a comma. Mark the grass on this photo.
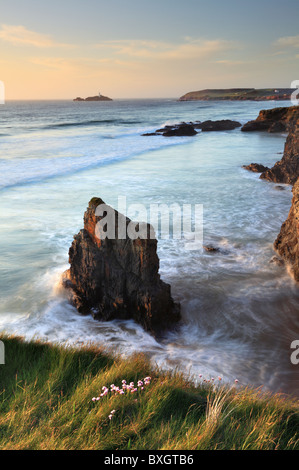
<point>46,402</point>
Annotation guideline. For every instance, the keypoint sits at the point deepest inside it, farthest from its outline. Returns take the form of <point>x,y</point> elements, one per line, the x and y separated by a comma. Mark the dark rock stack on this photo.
<point>118,278</point>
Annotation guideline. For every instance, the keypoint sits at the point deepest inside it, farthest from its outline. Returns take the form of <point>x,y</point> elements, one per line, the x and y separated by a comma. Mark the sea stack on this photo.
<point>117,277</point>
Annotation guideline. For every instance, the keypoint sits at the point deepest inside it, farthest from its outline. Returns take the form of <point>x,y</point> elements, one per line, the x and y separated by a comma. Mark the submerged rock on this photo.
<point>278,261</point>
<point>211,249</point>
<point>287,242</point>
<point>118,278</point>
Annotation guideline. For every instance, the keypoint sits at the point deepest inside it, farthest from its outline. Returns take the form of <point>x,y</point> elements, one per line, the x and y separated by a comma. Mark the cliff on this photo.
<point>239,94</point>
<point>285,119</point>
<point>287,242</point>
<point>273,120</point>
<point>287,169</point>
<point>118,278</point>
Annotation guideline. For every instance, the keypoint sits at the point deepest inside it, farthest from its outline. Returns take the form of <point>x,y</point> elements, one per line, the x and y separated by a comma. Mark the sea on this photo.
<point>240,310</point>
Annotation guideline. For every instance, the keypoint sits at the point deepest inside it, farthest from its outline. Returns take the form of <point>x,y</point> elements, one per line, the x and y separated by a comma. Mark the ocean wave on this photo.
<point>97,122</point>
<point>16,172</point>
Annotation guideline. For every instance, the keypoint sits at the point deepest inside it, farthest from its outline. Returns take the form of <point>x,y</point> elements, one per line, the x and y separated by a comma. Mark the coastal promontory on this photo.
<point>117,277</point>
<point>238,94</point>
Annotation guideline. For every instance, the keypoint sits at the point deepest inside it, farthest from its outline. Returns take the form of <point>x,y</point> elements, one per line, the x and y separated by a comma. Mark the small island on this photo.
<point>239,94</point>
<point>98,97</point>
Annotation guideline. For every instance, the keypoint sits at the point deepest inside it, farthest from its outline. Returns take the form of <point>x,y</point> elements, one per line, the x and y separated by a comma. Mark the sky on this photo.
<point>145,49</point>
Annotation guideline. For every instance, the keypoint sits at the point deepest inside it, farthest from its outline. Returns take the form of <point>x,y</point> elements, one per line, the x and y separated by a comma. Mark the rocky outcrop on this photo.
<point>287,169</point>
<point>287,242</point>
<point>188,129</point>
<point>118,278</point>
<point>180,130</point>
<point>273,120</point>
<point>222,125</point>
<point>255,167</point>
<point>94,98</point>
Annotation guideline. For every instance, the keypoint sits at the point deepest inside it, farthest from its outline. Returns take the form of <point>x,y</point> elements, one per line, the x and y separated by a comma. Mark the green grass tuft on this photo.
<point>46,402</point>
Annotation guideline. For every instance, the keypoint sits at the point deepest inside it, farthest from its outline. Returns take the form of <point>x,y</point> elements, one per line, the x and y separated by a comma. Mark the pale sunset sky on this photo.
<point>145,49</point>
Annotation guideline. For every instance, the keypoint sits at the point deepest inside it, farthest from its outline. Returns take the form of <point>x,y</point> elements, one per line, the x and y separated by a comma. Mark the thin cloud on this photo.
<point>19,35</point>
<point>189,49</point>
<point>231,62</point>
<point>289,41</point>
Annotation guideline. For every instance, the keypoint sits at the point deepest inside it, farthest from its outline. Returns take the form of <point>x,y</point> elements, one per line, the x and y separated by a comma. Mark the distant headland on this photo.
<point>98,97</point>
<point>239,94</point>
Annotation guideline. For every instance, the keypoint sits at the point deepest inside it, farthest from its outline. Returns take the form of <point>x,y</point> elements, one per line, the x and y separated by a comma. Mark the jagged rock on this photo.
<point>255,167</point>
<point>273,120</point>
<point>211,249</point>
<point>188,129</point>
<point>287,169</point>
<point>287,242</point>
<point>222,125</point>
<point>118,278</point>
<point>181,130</point>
